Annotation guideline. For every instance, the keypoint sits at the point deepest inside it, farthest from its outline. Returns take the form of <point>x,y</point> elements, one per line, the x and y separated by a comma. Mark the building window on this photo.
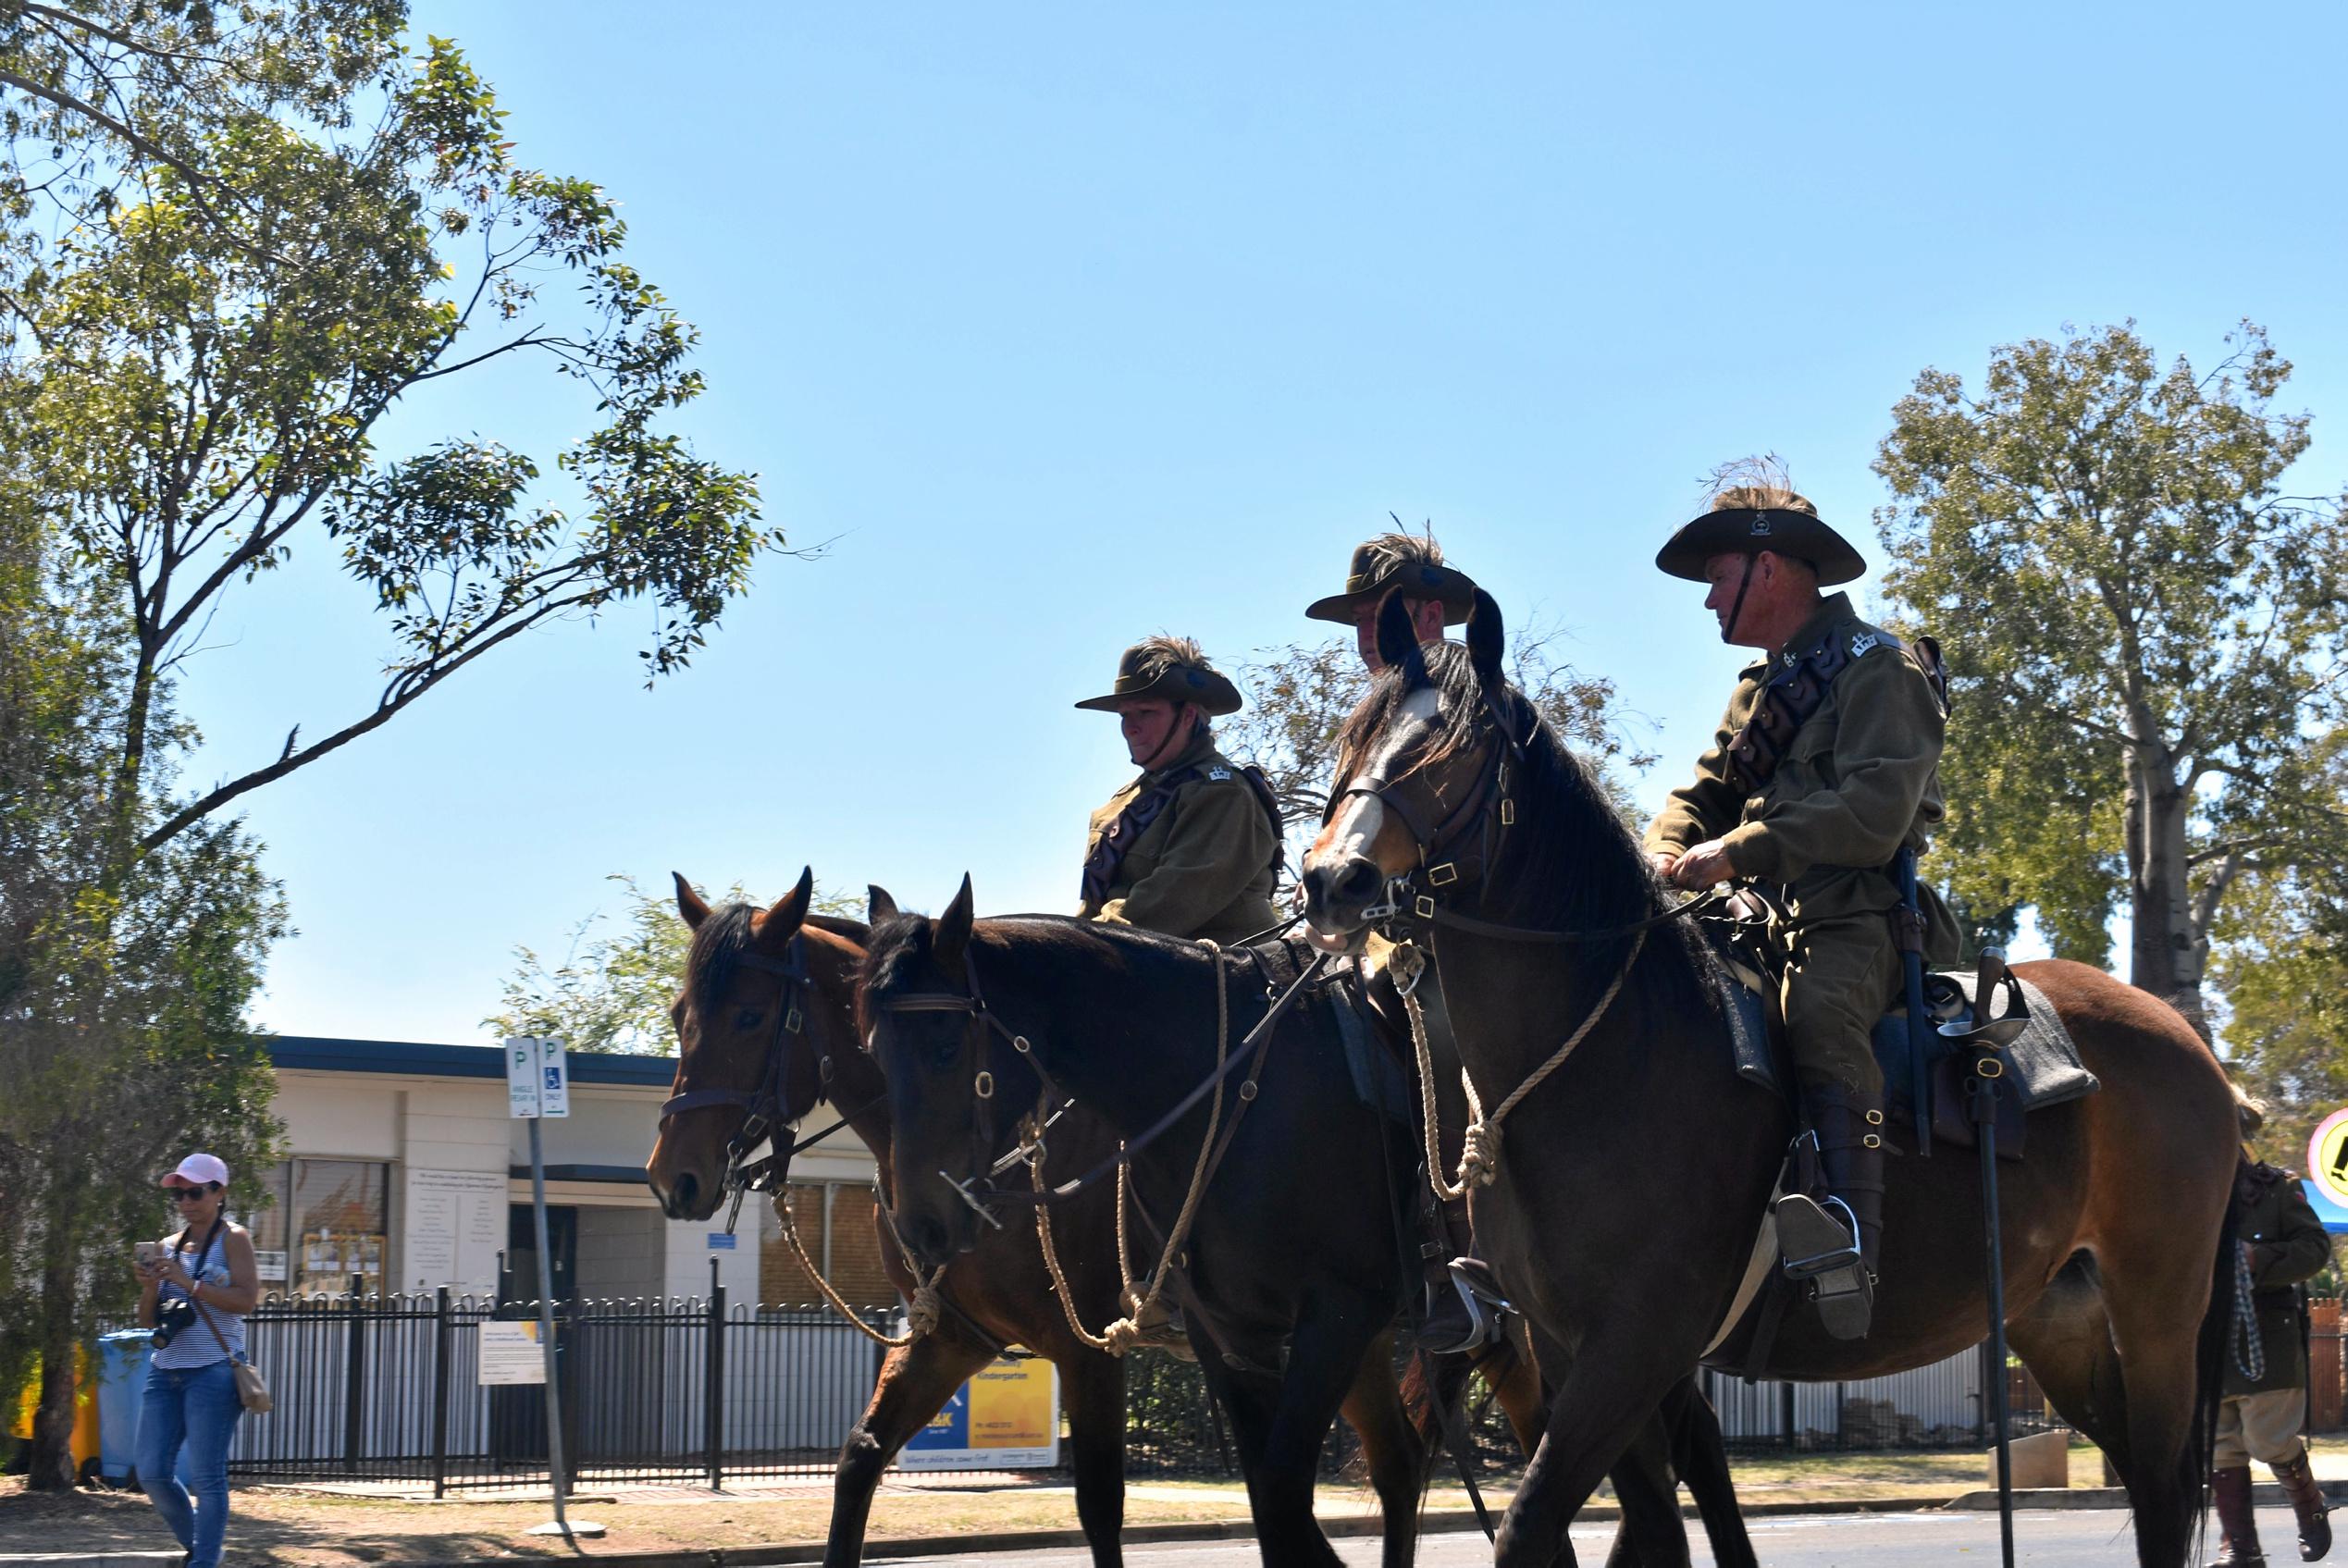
<point>328,1221</point>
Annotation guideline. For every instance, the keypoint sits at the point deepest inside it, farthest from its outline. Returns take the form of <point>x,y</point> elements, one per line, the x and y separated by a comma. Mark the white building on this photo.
<point>405,1170</point>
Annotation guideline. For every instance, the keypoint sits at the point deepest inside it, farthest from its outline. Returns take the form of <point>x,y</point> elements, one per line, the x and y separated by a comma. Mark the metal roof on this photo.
<point>419,1059</point>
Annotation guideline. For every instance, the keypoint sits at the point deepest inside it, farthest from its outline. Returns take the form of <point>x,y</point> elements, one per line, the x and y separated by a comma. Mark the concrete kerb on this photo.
<point>1340,1527</point>
<point>2267,1494</point>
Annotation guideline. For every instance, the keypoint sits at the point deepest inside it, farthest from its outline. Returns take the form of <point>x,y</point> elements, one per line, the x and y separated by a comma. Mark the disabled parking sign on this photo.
<point>2327,1157</point>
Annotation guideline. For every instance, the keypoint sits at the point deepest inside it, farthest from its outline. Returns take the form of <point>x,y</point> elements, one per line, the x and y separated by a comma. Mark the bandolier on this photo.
<point>1824,770</point>
<point>1190,847</point>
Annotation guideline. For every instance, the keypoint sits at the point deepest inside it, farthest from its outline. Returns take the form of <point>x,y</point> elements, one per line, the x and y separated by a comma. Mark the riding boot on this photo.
<point>1464,1303</point>
<point>1837,1244</point>
<point>2238,1545</point>
<point>2298,1480</point>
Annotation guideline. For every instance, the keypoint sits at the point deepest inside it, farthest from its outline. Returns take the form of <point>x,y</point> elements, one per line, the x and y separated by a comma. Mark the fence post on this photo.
<point>442,1331</point>
<point>354,1382</point>
<point>1785,1416</point>
<point>1989,1373</point>
<point>713,1395</point>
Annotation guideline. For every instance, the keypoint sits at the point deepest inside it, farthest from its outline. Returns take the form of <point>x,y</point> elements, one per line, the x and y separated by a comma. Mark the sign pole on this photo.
<point>546,1324</point>
<point>537,1086</point>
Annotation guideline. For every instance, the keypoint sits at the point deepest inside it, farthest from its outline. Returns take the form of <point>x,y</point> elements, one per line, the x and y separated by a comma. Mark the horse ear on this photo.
<point>950,942</point>
<point>782,921</point>
<point>879,908</point>
<point>1396,638</point>
<point>1486,638</point>
<point>690,907</point>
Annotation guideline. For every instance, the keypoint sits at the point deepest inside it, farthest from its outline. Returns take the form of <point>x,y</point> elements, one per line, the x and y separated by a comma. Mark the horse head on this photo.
<point>958,1077</point>
<point>751,1049</point>
<point>1416,760</point>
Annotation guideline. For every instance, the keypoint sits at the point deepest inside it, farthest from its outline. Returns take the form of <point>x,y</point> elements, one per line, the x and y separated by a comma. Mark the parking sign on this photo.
<point>538,1077</point>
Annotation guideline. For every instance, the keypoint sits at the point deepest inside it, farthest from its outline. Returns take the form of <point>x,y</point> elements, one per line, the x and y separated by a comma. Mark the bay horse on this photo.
<point>730,1018</point>
<point>1294,1269</point>
<point>1630,1184</point>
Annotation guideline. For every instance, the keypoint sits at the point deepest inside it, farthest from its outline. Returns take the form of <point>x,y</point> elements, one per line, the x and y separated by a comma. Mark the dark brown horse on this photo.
<point>728,1019</point>
<point>1297,1267</point>
<point>1631,1182</point>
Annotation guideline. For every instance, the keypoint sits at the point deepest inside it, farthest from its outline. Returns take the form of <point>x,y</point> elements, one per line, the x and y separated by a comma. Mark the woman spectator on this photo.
<point>194,1292</point>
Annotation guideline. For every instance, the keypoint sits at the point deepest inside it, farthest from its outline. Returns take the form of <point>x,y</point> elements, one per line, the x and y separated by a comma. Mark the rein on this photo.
<point>975,1003</point>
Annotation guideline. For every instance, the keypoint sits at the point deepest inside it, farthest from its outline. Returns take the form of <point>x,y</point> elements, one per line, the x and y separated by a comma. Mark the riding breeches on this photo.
<point>1840,975</point>
<point>2261,1426</point>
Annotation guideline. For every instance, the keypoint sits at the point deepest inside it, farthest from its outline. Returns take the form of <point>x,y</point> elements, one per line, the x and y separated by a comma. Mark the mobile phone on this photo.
<point>149,1253</point>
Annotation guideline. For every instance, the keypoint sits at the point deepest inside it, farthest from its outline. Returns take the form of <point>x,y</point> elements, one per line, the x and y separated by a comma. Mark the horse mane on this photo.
<point>718,946</point>
<point>900,946</point>
<point>1574,864</point>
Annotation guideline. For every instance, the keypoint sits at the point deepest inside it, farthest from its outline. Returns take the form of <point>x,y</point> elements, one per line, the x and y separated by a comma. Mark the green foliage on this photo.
<point>612,992</point>
<point>2143,631</point>
<point>122,1003</point>
<point>200,397</point>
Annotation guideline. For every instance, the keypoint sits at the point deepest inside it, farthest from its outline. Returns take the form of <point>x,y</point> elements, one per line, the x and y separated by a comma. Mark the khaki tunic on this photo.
<point>1857,782</point>
<point>1203,868</point>
<point>2289,1247</point>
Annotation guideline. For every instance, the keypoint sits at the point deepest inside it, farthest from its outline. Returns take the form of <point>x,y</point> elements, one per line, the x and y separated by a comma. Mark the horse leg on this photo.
<point>1096,1386</point>
<point>915,1382</point>
<point>1390,1445</point>
<point>1331,1336</point>
<point>1603,1397</point>
<point>2065,1339</point>
<point>1700,1455</point>
<point>2165,1307</point>
<point>1650,1533</point>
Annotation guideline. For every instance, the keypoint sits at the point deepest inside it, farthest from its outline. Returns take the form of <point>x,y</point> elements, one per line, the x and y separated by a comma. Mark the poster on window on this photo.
<point>1006,1418</point>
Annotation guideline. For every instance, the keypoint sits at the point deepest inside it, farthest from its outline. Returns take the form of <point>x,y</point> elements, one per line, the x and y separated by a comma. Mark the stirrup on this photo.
<point>1482,1305</point>
<point>1817,1247</point>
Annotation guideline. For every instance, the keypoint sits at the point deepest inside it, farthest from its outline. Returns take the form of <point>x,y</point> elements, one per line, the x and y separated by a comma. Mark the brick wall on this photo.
<point>855,1267</point>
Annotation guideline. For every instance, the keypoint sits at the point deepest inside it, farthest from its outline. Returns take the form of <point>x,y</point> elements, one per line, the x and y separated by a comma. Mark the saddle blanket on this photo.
<point>2042,1065</point>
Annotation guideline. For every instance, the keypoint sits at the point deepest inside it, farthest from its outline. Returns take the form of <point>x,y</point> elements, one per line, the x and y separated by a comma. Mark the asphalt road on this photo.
<point>2053,1540</point>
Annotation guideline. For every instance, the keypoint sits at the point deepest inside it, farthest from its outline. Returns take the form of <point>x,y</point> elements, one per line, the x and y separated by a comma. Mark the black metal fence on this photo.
<point>386,1389</point>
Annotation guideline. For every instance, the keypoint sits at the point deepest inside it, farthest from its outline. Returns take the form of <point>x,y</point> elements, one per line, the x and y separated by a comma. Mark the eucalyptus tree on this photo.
<point>2144,635</point>
<point>234,243</point>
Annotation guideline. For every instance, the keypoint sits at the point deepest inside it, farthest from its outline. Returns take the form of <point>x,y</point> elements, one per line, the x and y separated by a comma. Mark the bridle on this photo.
<point>762,1108</point>
<point>1459,849</point>
<point>980,1191</point>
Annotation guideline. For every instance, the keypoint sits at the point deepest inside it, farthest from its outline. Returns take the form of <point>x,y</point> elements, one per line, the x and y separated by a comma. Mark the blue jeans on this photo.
<point>198,1407</point>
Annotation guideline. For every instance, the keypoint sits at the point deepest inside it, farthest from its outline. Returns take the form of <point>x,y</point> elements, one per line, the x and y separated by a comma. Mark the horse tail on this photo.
<point>2209,1363</point>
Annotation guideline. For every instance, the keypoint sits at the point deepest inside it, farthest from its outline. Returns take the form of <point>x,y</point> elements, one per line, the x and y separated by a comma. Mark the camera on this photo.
<point>171,1318</point>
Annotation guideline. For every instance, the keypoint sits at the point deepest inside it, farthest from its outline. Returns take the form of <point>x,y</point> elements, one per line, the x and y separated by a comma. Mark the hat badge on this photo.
<point>1761,525</point>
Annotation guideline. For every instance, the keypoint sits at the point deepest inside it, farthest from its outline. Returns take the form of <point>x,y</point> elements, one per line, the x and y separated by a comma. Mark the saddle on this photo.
<point>2041,1065</point>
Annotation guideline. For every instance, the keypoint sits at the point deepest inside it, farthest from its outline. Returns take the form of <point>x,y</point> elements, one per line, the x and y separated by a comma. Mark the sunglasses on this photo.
<point>183,1194</point>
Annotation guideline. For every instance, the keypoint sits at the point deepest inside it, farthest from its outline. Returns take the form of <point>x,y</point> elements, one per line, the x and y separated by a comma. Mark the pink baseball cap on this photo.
<point>197,1170</point>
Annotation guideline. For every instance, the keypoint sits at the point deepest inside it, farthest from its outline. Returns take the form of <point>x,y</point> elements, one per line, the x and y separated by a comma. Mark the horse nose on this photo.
<point>678,1199</point>
<point>925,1238</point>
<point>1335,896</point>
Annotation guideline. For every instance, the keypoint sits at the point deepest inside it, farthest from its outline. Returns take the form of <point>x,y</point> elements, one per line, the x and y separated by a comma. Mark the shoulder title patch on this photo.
<point>1217,775</point>
<point>1860,645</point>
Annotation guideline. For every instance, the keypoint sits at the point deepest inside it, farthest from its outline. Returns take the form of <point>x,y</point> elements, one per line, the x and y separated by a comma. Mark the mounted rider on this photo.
<point>1463,1302</point>
<point>1191,846</point>
<point>1824,768</point>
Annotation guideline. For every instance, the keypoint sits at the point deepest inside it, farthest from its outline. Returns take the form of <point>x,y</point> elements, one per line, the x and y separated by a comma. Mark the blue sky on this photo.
<point>1069,324</point>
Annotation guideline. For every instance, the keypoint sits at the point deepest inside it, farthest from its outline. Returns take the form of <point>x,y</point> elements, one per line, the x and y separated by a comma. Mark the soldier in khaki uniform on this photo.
<point>1464,1303</point>
<point>2265,1400</point>
<point>1824,766</point>
<point>1435,595</point>
<point>1189,848</point>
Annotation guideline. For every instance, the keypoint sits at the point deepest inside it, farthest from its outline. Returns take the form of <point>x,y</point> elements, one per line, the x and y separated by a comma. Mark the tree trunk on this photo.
<point>52,1461</point>
<point>2166,954</point>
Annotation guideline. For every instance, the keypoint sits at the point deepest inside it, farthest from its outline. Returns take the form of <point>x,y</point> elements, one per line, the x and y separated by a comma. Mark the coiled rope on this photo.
<point>1126,1332</point>
<point>1480,1158</point>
